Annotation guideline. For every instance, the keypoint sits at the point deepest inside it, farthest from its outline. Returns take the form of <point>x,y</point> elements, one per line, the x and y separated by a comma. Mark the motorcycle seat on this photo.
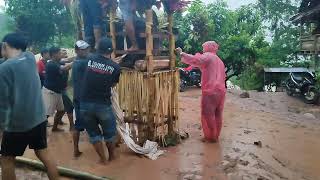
<point>297,77</point>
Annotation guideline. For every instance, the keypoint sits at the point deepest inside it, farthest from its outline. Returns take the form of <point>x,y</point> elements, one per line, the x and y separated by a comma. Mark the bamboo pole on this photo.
<point>171,42</point>
<point>113,29</point>
<point>62,171</point>
<point>149,40</point>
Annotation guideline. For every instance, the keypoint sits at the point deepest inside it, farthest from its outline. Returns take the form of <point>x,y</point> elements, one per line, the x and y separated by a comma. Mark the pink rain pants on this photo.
<point>213,88</point>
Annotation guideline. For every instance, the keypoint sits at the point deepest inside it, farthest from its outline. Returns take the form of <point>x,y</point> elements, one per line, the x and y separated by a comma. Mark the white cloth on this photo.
<point>149,149</point>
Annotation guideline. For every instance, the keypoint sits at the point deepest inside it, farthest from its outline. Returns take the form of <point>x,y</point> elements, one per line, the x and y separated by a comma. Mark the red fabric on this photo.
<point>213,87</point>
<point>41,67</point>
<point>188,68</point>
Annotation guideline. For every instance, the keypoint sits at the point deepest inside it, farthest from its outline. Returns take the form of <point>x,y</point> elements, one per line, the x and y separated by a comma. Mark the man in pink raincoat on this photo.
<point>213,87</point>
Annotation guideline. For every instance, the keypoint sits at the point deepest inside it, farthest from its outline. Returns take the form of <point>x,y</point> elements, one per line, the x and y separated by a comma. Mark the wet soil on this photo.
<point>287,145</point>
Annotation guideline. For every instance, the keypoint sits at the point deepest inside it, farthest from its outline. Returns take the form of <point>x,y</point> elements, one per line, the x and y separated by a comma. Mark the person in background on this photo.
<point>22,113</point>
<point>54,85</point>
<point>42,64</point>
<point>213,87</point>
<point>79,66</point>
<point>95,101</point>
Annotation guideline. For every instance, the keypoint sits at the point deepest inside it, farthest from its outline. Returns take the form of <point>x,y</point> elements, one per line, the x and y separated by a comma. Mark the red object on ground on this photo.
<point>213,88</point>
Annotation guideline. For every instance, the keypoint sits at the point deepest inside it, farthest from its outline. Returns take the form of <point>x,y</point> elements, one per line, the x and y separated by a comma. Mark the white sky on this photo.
<point>232,3</point>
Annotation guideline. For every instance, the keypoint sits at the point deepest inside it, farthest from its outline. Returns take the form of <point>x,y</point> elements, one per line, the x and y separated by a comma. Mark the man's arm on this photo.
<point>66,67</point>
<point>4,101</point>
<point>68,60</point>
<point>193,60</point>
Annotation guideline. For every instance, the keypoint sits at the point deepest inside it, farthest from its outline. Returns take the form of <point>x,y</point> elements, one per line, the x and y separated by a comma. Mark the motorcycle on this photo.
<point>303,84</point>
<point>189,77</point>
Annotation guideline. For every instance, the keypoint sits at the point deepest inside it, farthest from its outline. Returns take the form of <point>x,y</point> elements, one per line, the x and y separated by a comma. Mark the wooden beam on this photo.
<point>171,42</point>
<point>149,40</point>
<point>113,29</point>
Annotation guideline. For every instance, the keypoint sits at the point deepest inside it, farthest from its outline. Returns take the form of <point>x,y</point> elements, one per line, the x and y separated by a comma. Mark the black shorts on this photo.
<point>67,103</point>
<point>15,143</point>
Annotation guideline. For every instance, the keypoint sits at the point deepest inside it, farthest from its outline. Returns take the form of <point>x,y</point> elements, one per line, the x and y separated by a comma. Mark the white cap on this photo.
<point>82,44</point>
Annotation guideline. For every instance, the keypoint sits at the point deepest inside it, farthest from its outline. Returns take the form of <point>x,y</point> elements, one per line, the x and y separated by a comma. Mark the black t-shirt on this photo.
<point>65,76</point>
<point>101,74</point>
<point>54,77</point>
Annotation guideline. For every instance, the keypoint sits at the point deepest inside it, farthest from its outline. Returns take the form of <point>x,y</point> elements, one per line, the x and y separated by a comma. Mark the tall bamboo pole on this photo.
<point>171,42</point>
<point>113,29</point>
<point>149,40</point>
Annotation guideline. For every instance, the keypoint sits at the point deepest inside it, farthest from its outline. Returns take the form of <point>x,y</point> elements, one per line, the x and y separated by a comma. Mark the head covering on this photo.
<point>82,44</point>
<point>105,45</point>
<point>210,46</point>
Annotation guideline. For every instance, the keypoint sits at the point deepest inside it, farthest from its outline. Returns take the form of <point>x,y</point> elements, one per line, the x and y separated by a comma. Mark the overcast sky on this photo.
<point>232,3</point>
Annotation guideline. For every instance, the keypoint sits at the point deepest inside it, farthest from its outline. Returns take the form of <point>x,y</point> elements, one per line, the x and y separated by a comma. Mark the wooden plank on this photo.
<point>171,42</point>
<point>157,35</point>
<point>141,65</point>
<point>155,51</point>
<point>113,29</point>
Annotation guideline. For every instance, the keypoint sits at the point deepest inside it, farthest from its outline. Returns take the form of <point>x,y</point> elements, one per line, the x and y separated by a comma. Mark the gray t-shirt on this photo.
<point>21,104</point>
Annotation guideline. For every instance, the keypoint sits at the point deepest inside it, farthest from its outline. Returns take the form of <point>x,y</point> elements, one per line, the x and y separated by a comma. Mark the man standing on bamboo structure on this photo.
<point>93,19</point>
<point>213,88</point>
<point>95,101</point>
<point>22,113</point>
<point>128,8</point>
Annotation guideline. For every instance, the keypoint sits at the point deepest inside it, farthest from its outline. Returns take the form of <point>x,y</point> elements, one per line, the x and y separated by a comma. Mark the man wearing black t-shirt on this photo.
<point>54,85</point>
<point>95,101</point>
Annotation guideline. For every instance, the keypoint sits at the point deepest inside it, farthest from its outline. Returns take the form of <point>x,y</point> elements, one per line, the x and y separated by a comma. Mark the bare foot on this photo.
<point>112,157</point>
<point>204,140</point>
<point>57,130</point>
<point>102,162</point>
<point>77,154</point>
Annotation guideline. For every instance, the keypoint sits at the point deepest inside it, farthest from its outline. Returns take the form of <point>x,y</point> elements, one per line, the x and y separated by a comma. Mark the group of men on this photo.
<point>28,96</point>
<point>93,13</point>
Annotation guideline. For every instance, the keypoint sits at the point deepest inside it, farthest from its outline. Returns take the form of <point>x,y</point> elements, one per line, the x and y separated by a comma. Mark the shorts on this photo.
<point>95,115</point>
<point>53,101</point>
<point>79,126</point>
<point>67,103</point>
<point>15,143</point>
<point>126,10</point>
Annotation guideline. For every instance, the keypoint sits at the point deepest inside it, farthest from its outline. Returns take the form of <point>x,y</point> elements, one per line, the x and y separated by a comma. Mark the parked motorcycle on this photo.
<point>303,84</point>
<point>189,77</point>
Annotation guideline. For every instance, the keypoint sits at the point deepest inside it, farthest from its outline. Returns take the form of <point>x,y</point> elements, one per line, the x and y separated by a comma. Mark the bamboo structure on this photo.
<point>149,93</point>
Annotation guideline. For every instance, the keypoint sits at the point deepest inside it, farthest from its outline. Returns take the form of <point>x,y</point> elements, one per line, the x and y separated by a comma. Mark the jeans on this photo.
<point>95,115</point>
<point>79,126</point>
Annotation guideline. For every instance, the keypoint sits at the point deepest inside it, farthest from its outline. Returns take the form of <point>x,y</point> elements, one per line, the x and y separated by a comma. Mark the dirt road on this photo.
<point>289,147</point>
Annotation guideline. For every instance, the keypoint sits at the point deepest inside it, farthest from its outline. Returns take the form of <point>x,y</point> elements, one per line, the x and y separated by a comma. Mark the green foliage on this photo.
<point>251,78</point>
<point>42,20</point>
<point>245,47</point>
<point>6,25</point>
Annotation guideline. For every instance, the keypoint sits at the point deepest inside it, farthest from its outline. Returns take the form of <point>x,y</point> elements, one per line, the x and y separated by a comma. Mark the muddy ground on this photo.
<point>289,148</point>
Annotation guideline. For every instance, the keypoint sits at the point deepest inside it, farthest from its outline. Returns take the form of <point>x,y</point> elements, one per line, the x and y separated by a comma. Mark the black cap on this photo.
<point>105,46</point>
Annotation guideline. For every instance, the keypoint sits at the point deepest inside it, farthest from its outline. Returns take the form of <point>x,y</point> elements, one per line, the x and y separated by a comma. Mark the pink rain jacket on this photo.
<point>213,88</point>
